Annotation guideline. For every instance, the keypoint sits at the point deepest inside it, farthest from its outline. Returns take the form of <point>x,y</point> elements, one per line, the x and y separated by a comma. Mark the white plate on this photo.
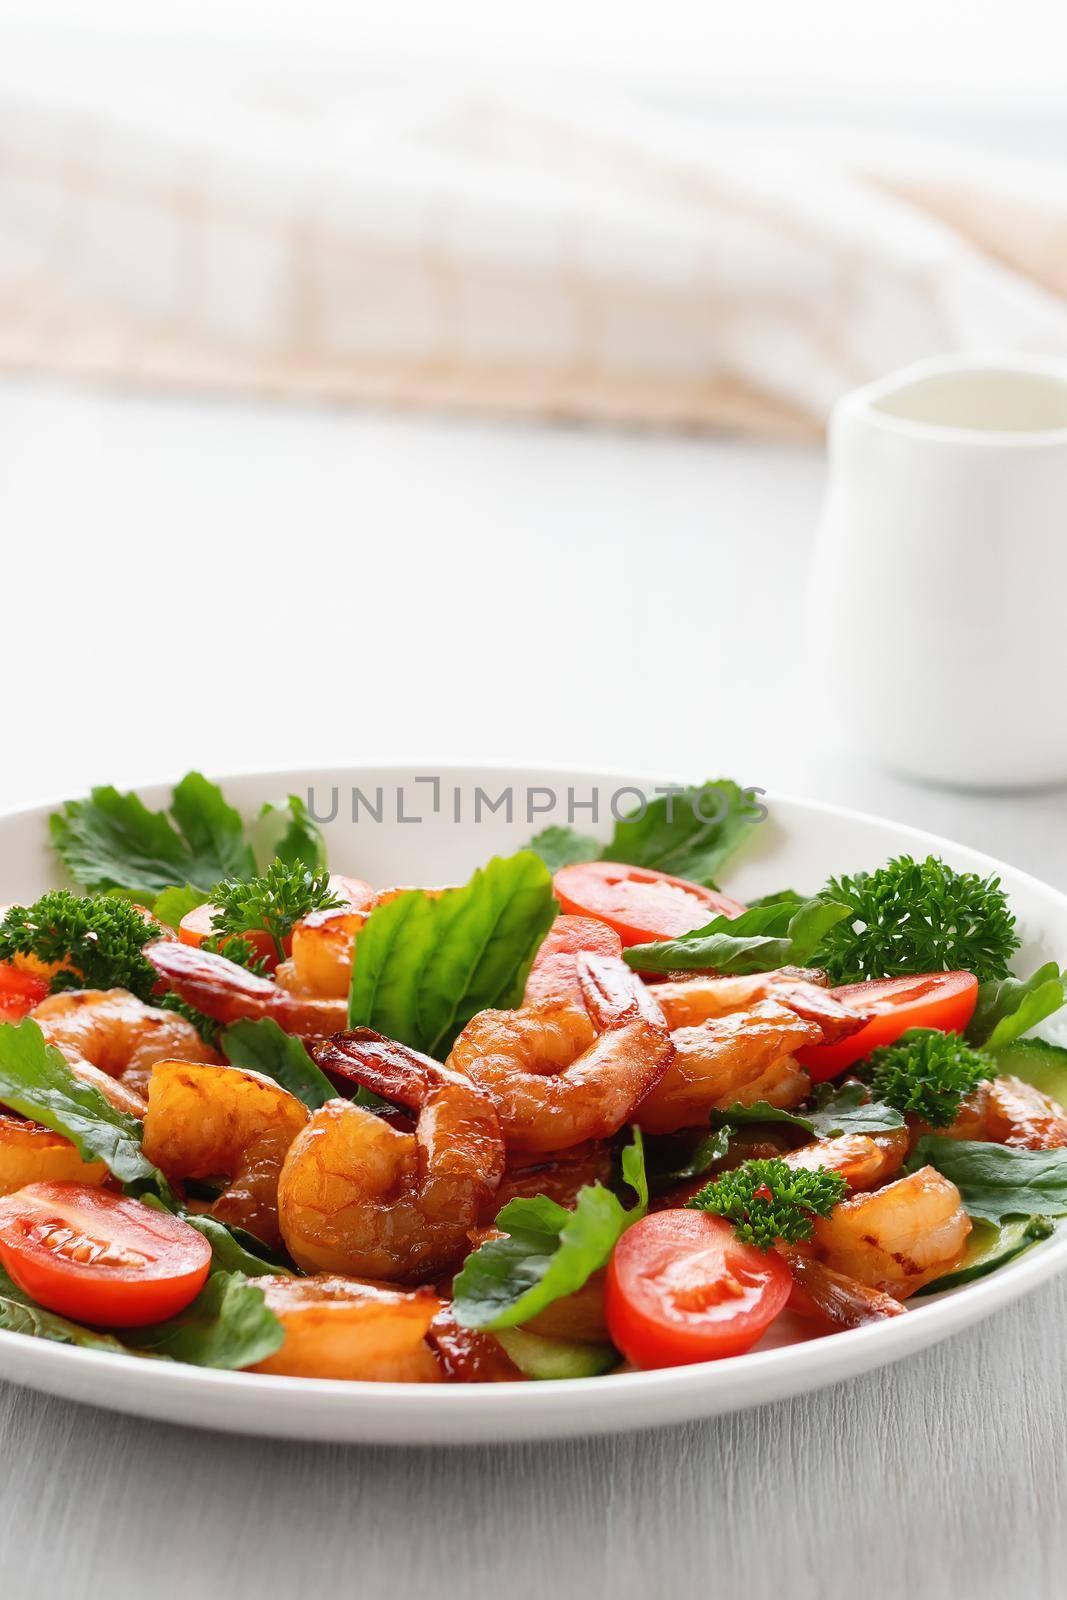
<point>799,846</point>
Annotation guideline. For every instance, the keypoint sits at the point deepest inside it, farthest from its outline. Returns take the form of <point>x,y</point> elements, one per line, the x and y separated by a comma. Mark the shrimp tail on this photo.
<point>613,993</point>
<point>388,1068</point>
<point>819,1291</point>
<point>229,993</point>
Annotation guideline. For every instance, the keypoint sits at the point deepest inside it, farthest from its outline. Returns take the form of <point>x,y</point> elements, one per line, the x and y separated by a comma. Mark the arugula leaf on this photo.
<point>672,835</point>
<point>36,1081</point>
<point>263,1047</point>
<point>228,1325</point>
<point>1009,1007</point>
<point>996,1181</point>
<point>836,1110</point>
<point>549,1251</point>
<point>563,847</point>
<point>289,834</point>
<point>762,938</point>
<point>112,840</point>
<point>177,902</point>
<point>20,1314</point>
<point>423,967</point>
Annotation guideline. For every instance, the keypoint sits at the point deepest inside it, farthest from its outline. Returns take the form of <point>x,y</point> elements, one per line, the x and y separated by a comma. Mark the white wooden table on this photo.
<point>233,586</point>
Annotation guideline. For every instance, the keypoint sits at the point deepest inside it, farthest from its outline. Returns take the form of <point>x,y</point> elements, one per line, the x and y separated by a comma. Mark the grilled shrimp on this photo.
<point>819,1291</point>
<point>31,1154</point>
<point>862,1159</point>
<point>898,1238</point>
<point>117,1034</point>
<point>554,975</point>
<point>336,1328</point>
<point>321,961</point>
<point>224,1123</point>
<point>230,993</point>
<point>691,1001</point>
<point>1009,1111</point>
<point>357,1196</point>
<point>555,1080</point>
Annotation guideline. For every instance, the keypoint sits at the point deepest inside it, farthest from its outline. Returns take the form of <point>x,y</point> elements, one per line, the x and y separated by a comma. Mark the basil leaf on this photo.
<point>177,902</point>
<point>20,1314</point>
<point>563,847</point>
<point>1010,1007</point>
<point>290,834</point>
<point>423,966</point>
<point>690,833</point>
<point>549,1251</point>
<point>762,938</point>
<point>112,840</point>
<point>263,1047</point>
<point>228,1326</point>
<point>37,1082</point>
<point>835,1110</point>
<point>995,1181</point>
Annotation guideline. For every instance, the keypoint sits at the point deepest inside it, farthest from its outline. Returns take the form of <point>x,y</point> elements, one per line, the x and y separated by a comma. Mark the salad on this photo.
<point>584,1113</point>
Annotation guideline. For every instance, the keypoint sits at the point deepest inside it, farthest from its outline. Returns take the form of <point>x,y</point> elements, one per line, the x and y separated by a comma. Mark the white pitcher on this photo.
<point>938,606</point>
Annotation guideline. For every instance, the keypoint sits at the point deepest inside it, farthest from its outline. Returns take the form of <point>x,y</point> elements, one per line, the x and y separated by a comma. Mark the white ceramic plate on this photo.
<point>799,846</point>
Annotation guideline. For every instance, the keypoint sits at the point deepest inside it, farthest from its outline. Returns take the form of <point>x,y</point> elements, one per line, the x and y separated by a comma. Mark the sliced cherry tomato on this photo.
<point>554,974</point>
<point>682,1287</point>
<point>197,925</point>
<point>19,992</point>
<point>640,904</point>
<point>100,1257</point>
<point>943,1000</point>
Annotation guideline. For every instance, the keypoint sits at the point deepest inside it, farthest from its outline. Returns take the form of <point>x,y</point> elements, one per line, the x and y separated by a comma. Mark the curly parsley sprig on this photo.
<point>918,916</point>
<point>274,903</point>
<point>96,941</point>
<point>768,1200</point>
<point>928,1074</point>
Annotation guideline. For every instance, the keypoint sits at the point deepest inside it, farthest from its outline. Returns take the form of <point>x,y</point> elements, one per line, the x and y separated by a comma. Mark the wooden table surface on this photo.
<point>471,592</point>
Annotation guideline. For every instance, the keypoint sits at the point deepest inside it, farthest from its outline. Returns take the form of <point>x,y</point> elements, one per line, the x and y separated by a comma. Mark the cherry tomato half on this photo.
<point>19,992</point>
<point>554,974</point>
<point>681,1287</point>
<point>100,1257</point>
<point>197,925</point>
<point>640,904</point>
<point>943,1000</point>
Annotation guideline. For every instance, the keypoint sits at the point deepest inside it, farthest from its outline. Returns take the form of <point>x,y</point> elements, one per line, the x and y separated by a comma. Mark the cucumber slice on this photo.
<point>537,1357</point>
<point>989,1246</point>
<point>1037,1062</point>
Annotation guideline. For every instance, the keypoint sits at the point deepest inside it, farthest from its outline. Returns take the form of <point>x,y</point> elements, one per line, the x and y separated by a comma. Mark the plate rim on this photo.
<point>547,1408</point>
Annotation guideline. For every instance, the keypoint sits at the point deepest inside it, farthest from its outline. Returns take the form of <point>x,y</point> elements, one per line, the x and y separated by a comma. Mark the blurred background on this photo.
<point>450,382</point>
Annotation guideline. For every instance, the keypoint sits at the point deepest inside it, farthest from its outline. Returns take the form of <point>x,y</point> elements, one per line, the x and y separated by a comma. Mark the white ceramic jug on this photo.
<point>938,606</point>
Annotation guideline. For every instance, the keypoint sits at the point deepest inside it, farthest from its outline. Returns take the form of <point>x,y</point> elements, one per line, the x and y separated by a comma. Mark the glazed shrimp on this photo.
<point>32,1154</point>
<point>116,1034</point>
<point>555,1081</point>
<point>336,1328</point>
<point>357,1196</point>
<point>1009,1111</point>
<point>321,961</point>
<point>230,993</point>
<point>688,1002</point>
<point>862,1159</point>
<point>224,1123</point>
<point>898,1238</point>
<point>821,1292</point>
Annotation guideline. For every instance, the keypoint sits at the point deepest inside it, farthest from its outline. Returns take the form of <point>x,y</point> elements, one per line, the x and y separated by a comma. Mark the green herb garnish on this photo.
<point>274,903</point>
<point>918,916</point>
<point>1010,1007</point>
<point>783,934</point>
<point>767,1200</point>
<point>98,940</point>
<point>928,1074</point>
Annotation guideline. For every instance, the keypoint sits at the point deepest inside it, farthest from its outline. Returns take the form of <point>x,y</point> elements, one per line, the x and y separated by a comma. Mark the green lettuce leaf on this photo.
<point>20,1314</point>
<point>425,966</point>
<point>563,847</point>
<point>263,1047</point>
<point>112,840</point>
<point>177,902</point>
<point>228,1326</point>
<point>762,938</point>
<point>36,1081</point>
<point>288,833</point>
<point>1010,1007</point>
<point>834,1110</point>
<point>549,1251</point>
<point>995,1181</point>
